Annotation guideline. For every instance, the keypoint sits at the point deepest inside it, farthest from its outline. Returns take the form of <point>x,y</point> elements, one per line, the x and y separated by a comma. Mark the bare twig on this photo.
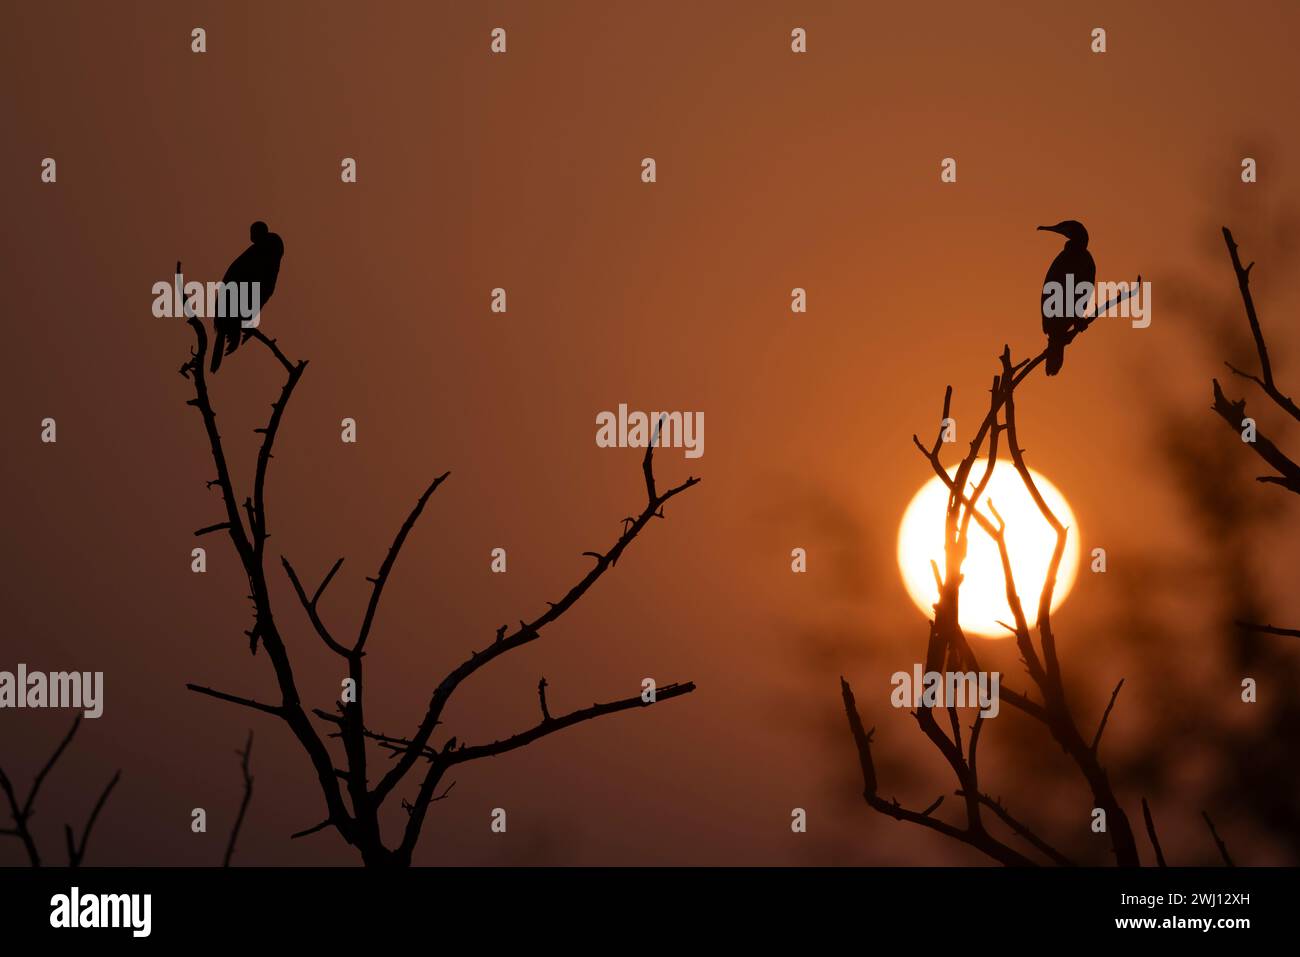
<point>1234,413</point>
<point>77,850</point>
<point>310,604</point>
<point>315,828</point>
<point>244,757</point>
<point>1269,629</point>
<point>1101,727</point>
<point>1151,833</point>
<point>541,699</point>
<point>548,725</point>
<point>386,568</point>
<point>22,811</point>
<point>1023,830</point>
<point>236,699</point>
<point>1218,841</point>
<point>1266,383</point>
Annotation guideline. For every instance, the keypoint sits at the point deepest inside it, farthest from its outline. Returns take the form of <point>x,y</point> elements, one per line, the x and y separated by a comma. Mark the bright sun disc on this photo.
<point>1030,541</point>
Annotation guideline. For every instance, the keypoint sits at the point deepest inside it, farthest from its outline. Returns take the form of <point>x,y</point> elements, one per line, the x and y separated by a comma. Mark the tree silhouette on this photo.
<point>352,803</point>
<point>1286,473</point>
<point>22,811</point>
<point>1189,664</point>
<point>947,649</point>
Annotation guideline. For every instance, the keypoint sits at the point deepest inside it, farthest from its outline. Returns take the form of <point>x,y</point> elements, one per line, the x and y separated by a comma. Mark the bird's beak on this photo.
<point>1050,229</point>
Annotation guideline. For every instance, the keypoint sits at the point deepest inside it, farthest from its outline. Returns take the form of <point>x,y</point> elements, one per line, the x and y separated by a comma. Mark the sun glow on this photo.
<point>1030,542</point>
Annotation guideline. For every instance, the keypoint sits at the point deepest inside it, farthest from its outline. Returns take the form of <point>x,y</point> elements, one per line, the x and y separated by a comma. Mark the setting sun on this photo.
<point>1030,540</point>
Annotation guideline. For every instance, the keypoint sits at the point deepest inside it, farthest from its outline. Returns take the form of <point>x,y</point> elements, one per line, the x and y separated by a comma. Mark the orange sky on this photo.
<point>522,171</point>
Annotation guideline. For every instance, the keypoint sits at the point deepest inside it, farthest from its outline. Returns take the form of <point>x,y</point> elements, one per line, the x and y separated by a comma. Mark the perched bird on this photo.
<point>1072,267</point>
<point>259,263</point>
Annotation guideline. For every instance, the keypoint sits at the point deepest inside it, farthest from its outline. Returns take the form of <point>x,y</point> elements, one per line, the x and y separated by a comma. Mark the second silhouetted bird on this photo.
<point>259,263</point>
<point>1072,267</point>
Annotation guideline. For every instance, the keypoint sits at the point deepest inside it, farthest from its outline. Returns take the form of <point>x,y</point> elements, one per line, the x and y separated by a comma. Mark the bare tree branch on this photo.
<point>526,632</point>
<point>1101,727</point>
<point>244,758</point>
<point>947,644</point>
<point>541,698</point>
<point>19,815</point>
<point>1060,723</point>
<point>1269,629</point>
<point>548,725</point>
<point>1234,413</point>
<point>359,824</point>
<point>974,836</point>
<point>274,349</point>
<point>1218,841</point>
<point>77,851</point>
<point>236,699</point>
<point>310,604</point>
<point>257,518</point>
<point>1151,833</point>
<point>264,627</point>
<point>1024,831</point>
<point>1266,383</point>
<point>314,829</point>
<point>22,811</point>
<point>389,560</point>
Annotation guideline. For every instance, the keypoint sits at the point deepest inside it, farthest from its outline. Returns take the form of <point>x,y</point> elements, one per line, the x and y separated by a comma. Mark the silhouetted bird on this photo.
<point>259,263</point>
<point>1072,267</point>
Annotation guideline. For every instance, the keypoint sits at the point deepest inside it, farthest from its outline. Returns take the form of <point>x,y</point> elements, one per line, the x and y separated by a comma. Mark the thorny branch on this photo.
<point>357,818</point>
<point>454,753</point>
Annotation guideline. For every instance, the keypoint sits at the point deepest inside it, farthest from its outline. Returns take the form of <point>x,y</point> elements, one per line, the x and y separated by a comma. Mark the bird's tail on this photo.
<point>1055,356</point>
